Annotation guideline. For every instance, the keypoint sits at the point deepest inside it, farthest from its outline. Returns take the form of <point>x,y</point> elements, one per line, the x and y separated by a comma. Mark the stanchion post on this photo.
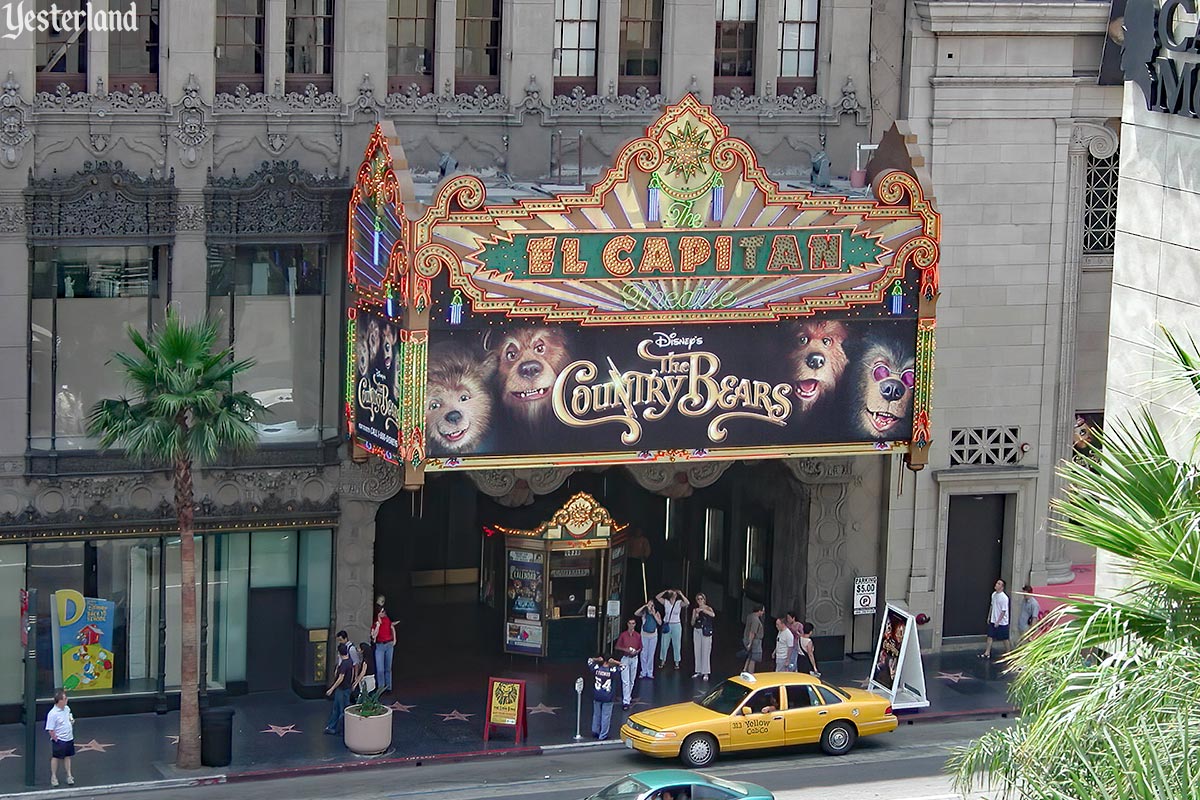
<point>30,624</point>
<point>578,709</point>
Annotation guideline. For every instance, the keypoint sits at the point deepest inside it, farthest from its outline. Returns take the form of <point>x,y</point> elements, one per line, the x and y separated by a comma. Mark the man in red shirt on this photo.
<point>629,647</point>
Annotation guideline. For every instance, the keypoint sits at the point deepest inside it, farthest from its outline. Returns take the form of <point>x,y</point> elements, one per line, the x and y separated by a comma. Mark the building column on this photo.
<point>189,37</point>
<point>189,286</point>
<point>766,49</point>
<point>97,51</point>
<point>527,48</point>
<point>444,25</point>
<point>688,48</point>
<point>360,47</point>
<point>275,62</point>
<point>608,47</point>
<point>363,488</point>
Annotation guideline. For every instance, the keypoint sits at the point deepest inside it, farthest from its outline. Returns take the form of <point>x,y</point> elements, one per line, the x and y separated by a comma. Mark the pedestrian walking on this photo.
<point>671,632</point>
<point>651,622</point>
<point>629,646</point>
<point>797,628</point>
<point>605,672</point>
<point>60,723</point>
<point>997,618</point>
<point>364,674</point>
<point>339,690</point>
<point>784,639</point>
<point>383,639</point>
<point>752,639</point>
<point>806,652</point>
<point>1031,612</point>
<point>703,618</point>
<point>344,638</point>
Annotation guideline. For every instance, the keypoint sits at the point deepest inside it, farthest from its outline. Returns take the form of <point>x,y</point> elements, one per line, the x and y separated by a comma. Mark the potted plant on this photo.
<point>369,725</point>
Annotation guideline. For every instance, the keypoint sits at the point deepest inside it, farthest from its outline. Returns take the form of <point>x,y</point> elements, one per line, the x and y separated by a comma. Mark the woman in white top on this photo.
<point>671,633</point>
<point>702,631</point>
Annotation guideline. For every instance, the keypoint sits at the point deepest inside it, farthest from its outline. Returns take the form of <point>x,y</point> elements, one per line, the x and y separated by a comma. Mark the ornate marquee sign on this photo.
<point>685,307</point>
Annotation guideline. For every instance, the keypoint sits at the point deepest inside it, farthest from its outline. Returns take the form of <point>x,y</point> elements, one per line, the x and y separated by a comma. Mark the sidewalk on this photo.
<point>434,718</point>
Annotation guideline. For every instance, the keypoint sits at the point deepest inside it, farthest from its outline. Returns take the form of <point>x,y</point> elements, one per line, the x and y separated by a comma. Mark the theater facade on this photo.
<point>684,375</point>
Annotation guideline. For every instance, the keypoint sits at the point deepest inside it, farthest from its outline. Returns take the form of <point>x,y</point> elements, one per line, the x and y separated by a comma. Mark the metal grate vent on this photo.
<point>985,447</point>
<point>1100,205</point>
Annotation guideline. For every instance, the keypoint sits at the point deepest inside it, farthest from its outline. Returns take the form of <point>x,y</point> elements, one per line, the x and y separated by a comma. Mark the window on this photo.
<point>754,570</point>
<point>736,31</point>
<point>829,698</point>
<point>714,538</point>
<point>575,26</point>
<point>276,309</point>
<point>797,45</point>
<point>82,300</point>
<point>410,44</point>
<point>801,697</point>
<point>241,26</point>
<point>477,53</point>
<point>639,59</point>
<point>1100,204</point>
<point>309,44</point>
<point>133,55</point>
<point>62,51</point>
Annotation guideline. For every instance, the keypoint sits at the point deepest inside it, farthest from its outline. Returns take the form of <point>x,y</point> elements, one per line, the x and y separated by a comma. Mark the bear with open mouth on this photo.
<point>818,361</point>
<point>458,405</point>
<point>528,360</point>
<point>884,378</point>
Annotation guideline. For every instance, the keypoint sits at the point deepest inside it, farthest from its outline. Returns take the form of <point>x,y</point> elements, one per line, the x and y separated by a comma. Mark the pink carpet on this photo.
<point>1051,597</point>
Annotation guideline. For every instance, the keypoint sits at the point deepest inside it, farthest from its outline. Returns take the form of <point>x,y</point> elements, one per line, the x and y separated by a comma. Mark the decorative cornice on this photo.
<point>375,480</point>
<point>608,105</point>
<point>101,201</point>
<point>312,99</point>
<point>100,102</point>
<point>414,100</point>
<point>821,470</point>
<point>279,199</point>
<point>798,103</point>
<point>677,480</point>
<point>519,487</point>
<point>966,18</point>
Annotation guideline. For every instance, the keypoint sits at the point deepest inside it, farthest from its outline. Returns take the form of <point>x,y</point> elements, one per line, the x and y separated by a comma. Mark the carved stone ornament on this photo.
<point>798,103</point>
<point>414,100</point>
<point>1098,139</point>
<point>849,103</point>
<point>14,123</point>
<point>279,199</point>
<point>191,126</point>
<point>101,102</point>
<point>366,102</point>
<point>821,470</point>
<point>374,480</point>
<point>607,105</point>
<point>102,201</point>
<point>312,99</point>
<point>191,217</point>
<point>677,480</point>
<point>12,221</point>
<point>519,487</point>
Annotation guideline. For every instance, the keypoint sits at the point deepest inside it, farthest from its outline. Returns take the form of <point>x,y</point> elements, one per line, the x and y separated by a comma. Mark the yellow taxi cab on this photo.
<point>749,712</point>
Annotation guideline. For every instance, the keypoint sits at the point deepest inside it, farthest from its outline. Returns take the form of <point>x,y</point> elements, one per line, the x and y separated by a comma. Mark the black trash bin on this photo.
<point>216,737</point>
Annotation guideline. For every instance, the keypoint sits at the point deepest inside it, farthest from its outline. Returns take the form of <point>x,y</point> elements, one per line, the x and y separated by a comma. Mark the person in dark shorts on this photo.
<point>60,723</point>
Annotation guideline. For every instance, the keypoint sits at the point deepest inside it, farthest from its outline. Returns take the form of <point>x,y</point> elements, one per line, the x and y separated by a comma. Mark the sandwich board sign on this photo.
<point>896,670</point>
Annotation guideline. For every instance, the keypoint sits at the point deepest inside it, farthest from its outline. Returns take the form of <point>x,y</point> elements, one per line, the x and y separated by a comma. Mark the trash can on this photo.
<point>216,737</point>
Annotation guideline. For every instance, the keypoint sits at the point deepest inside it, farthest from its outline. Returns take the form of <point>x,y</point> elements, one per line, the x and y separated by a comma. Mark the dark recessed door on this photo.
<point>974,549</point>
<point>270,628</point>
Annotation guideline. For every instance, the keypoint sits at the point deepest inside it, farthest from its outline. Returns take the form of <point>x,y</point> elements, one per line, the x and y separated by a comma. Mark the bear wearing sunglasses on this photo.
<point>881,390</point>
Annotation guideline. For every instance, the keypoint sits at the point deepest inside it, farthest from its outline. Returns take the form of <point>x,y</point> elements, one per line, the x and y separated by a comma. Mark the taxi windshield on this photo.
<point>726,698</point>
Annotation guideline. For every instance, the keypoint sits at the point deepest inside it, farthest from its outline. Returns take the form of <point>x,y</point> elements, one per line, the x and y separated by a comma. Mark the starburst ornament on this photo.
<point>687,149</point>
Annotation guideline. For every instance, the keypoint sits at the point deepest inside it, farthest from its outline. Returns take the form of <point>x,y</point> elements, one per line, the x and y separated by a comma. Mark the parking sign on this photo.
<point>864,594</point>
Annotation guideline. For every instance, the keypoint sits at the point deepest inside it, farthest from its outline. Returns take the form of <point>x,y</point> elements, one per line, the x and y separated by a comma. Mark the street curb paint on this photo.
<point>400,761</point>
<point>118,788</point>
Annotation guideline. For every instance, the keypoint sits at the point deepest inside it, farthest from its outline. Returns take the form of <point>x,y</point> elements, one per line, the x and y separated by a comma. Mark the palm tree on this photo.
<point>1109,688</point>
<point>184,411</point>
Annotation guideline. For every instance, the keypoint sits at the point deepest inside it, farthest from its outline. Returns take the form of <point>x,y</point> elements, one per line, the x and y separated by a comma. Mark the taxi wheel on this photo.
<point>838,738</point>
<point>699,750</point>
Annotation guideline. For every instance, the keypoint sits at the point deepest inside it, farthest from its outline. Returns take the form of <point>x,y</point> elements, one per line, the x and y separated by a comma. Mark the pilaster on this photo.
<point>445,19</point>
<point>275,45</point>
<point>688,48</point>
<point>608,47</point>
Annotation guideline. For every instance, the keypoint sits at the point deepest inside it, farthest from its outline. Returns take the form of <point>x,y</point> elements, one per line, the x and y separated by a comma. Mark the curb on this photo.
<point>398,761</point>
<point>118,788</point>
<point>948,716</point>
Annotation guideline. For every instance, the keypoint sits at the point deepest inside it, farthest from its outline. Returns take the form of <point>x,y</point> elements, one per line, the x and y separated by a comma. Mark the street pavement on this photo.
<point>436,717</point>
<point>906,765</point>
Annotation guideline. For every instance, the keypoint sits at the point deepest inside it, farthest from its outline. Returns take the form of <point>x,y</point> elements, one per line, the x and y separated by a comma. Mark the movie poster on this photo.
<point>525,596</point>
<point>376,391</point>
<point>887,653</point>
<point>510,387</point>
<point>82,633</point>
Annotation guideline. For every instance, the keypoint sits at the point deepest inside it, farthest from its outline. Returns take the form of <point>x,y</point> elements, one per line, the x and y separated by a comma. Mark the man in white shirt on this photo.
<point>61,725</point>
<point>997,619</point>
<point>784,640</point>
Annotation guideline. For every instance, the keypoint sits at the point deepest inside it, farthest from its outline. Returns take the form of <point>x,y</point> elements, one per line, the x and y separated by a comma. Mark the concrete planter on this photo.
<point>368,736</point>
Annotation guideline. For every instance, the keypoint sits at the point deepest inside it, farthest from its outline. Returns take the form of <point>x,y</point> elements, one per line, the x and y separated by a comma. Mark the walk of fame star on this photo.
<point>174,739</point>
<point>398,706</point>
<point>955,677</point>
<point>542,708</point>
<point>280,730</point>
<point>93,745</point>
<point>456,714</point>
<point>865,683</point>
<point>9,753</point>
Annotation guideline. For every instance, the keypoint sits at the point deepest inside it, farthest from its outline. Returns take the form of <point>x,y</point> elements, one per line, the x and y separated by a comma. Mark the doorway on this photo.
<point>974,559</point>
<point>271,616</point>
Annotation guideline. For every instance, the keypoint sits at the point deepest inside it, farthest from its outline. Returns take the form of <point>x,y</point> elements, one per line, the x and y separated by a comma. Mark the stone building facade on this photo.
<point>205,163</point>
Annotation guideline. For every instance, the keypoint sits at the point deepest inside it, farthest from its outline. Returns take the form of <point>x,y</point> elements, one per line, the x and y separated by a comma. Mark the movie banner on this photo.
<point>375,391</point>
<point>508,387</point>
<point>82,634</point>
<point>889,649</point>
<point>525,596</point>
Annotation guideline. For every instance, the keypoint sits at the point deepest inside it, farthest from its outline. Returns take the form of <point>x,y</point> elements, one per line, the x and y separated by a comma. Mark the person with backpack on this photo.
<point>651,622</point>
<point>703,617</point>
<point>671,632</point>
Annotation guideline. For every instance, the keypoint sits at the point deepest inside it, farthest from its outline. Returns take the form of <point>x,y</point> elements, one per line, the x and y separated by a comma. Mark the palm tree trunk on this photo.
<point>188,752</point>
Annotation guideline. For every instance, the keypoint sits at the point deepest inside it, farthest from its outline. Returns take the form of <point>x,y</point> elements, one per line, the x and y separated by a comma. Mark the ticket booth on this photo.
<point>564,583</point>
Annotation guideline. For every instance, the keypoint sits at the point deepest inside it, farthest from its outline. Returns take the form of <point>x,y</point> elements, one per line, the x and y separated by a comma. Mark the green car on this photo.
<point>679,784</point>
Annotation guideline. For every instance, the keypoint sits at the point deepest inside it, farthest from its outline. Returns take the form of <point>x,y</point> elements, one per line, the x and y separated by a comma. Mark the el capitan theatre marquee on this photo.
<point>685,307</point>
